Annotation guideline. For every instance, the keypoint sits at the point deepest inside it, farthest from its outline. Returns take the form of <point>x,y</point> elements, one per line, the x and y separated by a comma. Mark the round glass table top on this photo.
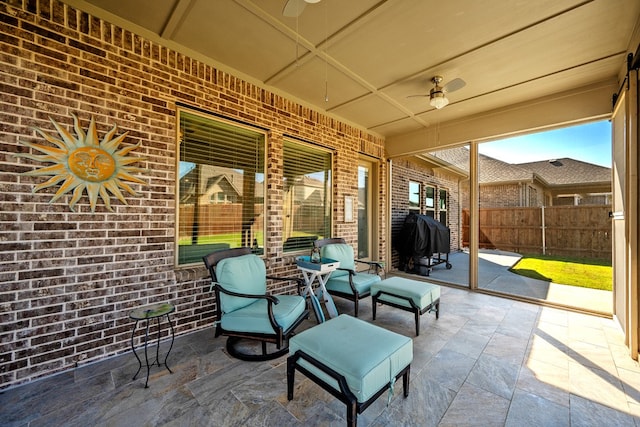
<point>152,311</point>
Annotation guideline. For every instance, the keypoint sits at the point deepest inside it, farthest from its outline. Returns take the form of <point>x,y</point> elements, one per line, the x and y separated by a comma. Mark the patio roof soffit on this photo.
<point>581,105</point>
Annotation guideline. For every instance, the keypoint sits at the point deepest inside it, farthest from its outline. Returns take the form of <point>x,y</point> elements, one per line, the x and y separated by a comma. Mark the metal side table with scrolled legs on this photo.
<point>148,313</point>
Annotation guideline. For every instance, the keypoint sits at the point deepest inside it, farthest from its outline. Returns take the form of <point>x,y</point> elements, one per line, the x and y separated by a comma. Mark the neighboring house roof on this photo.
<point>209,176</point>
<point>217,179</point>
<point>554,172</point>
<point>231,181</point>
<point>458,157</point>
<point>494,171</point>
<point>490,170</point>
<point>309,182</point>
<point>568,171</point>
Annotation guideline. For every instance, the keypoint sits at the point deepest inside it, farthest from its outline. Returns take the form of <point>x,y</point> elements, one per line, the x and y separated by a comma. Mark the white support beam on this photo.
<point>580,105</point>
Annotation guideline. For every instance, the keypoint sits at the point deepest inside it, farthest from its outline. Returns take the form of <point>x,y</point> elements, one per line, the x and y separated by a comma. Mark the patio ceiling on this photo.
<point>360,60</point>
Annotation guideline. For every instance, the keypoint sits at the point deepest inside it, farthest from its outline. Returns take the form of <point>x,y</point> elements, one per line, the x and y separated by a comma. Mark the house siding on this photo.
<point>510,195</point>
<point>69,279</point>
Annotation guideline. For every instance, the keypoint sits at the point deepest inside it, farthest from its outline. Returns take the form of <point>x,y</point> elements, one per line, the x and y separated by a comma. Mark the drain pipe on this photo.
<point>544,243</point>
<point>474,215</point>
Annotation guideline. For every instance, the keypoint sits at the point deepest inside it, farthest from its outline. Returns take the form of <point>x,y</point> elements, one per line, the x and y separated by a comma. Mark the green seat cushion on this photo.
<point>421,293</point>
<point>253,317</point>
<point>245,274</point>
<point>361,281</point>
<point>340,252</point>
<point>368,356</point>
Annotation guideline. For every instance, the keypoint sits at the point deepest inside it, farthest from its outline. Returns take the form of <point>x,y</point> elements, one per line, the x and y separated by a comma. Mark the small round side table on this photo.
<point>148,313</point>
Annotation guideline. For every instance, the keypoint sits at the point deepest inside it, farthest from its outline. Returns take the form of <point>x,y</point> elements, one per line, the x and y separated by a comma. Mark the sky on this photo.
<point>589,143</point>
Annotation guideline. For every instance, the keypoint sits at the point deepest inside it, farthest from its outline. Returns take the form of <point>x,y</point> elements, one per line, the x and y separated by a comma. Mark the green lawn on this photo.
<point>587,273</point>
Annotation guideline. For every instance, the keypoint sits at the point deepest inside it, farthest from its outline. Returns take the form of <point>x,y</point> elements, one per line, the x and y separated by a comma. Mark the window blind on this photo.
<point>221,187</point>
<point>307,195</point>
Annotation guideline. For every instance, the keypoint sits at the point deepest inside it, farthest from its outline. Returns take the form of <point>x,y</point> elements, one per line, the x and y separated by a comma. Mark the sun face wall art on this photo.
<point>84,162</point>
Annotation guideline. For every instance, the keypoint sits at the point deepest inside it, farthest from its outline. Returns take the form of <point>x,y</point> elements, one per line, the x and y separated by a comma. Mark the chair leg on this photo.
<point>356,306</point>
<point>405,382</point>
<point>291,371</point>
<point>416,314</point>
<point>352,414</point>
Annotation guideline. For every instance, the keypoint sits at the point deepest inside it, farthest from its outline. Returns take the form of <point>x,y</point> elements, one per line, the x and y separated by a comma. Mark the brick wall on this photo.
<point>510,195</point>
<point>405,170</point>
<point>68,279</point>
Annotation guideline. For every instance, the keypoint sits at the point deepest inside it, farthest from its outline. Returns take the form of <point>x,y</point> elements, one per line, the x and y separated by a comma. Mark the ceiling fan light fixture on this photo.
<point>437,99</point>
<point>312,1</point>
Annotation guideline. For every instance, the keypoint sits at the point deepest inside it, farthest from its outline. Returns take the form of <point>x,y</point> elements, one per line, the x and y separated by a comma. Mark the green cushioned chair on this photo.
<point>346,281</point>
<point>244,310</point>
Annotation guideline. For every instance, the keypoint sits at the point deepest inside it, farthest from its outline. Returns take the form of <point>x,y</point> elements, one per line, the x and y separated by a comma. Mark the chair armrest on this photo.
<point>350,270</point>
<point>378,265</point>
<point>299,281</point>
<point>269,298</point>
<point>370,263</point>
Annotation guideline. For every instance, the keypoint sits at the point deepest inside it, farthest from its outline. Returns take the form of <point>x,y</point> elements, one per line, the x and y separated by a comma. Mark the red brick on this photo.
<point>84,271</point>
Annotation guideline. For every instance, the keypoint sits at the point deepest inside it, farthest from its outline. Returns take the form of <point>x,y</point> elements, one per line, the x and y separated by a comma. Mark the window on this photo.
<point>365,199</point>
<point>307,195</point>
<point>414,197</point>
<point>430,201</point>
<point>442,206</point>
<point>221,187</point>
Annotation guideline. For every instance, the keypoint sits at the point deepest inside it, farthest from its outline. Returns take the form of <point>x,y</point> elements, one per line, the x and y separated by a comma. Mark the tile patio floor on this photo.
<point>487,361</point>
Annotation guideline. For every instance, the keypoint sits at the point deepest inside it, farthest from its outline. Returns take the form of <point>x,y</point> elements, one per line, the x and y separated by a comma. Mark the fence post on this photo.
<point>544,245</point>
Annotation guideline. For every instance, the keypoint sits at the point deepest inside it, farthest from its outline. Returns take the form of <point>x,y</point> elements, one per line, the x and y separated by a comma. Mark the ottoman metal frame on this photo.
<point>417,311</point>
<point>344,394</point>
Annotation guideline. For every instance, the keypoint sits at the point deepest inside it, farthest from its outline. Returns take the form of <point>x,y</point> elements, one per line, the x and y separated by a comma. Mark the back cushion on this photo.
<point>244,274</point>
<point>340,252</point>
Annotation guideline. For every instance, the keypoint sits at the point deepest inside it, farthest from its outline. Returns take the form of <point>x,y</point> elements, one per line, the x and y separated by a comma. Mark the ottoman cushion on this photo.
<point>421,293</point>
<point>368,356</point>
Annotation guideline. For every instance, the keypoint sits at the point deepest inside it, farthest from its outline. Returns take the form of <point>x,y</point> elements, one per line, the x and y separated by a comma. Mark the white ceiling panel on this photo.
<point>370,110</point>
<point>370,55</point>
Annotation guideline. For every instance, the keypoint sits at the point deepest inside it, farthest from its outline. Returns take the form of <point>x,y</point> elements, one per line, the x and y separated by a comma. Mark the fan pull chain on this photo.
<point>297,38</point>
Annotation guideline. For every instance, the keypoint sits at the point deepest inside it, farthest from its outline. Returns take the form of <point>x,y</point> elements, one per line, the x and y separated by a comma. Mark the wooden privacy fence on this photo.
<point>226,218</point>
<point>577,231</point>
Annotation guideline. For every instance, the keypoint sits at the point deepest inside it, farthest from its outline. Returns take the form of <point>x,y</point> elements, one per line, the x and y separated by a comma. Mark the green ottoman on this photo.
<point>410,295</point>
<point>353,360</point>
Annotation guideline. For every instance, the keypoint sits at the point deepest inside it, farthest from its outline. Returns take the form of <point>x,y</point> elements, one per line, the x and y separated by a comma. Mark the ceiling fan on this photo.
<point>437,97</point>
<point>293,8</point>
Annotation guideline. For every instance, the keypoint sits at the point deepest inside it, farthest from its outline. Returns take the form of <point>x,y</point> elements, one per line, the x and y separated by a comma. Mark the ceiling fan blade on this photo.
<point>417,96</point>
<point>293,8</point>
<point>454,85</point>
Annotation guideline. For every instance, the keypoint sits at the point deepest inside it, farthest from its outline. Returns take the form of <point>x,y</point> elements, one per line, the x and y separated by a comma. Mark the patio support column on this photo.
<point>474,215</point>
<point>631,212</point>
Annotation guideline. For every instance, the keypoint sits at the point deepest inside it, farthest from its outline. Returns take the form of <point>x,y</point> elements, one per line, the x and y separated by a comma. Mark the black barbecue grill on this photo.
<point>422,244</point>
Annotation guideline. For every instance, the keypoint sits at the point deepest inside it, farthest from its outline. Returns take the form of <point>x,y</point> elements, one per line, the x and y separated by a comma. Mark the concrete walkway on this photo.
<point>494,275</point>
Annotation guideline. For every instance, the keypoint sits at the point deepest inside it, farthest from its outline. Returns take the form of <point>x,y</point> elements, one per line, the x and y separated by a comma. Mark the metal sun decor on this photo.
<point>84,162</point>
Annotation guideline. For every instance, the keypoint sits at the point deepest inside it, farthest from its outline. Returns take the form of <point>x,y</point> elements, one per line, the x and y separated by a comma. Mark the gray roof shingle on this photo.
<point>563,171</point>
<point>568,171</point>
